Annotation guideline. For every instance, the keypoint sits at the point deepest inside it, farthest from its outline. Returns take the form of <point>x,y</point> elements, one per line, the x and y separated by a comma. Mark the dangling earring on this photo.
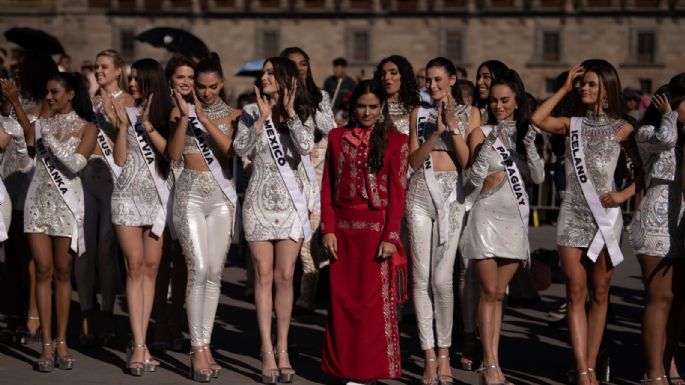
<point>381,119</point>
<point>605,104</point>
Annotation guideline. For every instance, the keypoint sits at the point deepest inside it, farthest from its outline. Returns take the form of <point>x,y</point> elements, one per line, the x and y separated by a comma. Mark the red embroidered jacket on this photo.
<point>347,182</point>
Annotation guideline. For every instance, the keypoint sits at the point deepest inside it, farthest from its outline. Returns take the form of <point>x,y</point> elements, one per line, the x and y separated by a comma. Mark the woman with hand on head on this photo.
<point>589,252</point>
<point>323,123</point>
<point>98,183</point>
<point>656,231</point>
<point>204,202</point>
<point>141,198</point>
<point>53,212</point>
<point>438,154</point>
<point>275,133</point>
<point>362,197</point>
<point>397,76</point>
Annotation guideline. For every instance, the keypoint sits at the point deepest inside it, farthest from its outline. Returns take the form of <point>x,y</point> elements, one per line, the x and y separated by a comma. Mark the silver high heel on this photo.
<point>216,368</point>
<point>149,364</point>
<point>648,381</point>
<point>444,379</point>
<point>139,368</point>
<point>202,374</point>
<point>284,377</point>
<point>65,362</point>
<point>482,371</point>
<point>46,365</point>
<point>269,376</point>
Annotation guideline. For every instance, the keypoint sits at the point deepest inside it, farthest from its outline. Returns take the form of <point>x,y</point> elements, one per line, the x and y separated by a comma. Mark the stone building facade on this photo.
<point>539,38</point>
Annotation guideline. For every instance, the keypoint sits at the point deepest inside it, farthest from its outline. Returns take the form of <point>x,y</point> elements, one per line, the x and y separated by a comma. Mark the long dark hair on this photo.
<point>511,79</point>
<point>284,72</point>
<point>379,135</point>
<point>151,80</point>
<point>496,68</point>
<point>675,95</point>
<point>409,90</point>
<point>610,83</point>
<point>81,104</point>
<point>311,86</point>
<point>35,69</point>
<point>451,70</point>
<point>211,64</point>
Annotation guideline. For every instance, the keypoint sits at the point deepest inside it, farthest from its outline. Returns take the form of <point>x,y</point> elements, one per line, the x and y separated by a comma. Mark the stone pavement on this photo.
<point>532,352</point>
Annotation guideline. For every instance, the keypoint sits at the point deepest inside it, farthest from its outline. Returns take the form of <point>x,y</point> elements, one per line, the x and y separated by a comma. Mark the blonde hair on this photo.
<point>118,62</point>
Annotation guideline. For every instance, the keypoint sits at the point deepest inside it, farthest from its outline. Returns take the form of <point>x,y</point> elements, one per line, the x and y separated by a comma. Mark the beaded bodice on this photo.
<point>400,116</point>
<point>214,112</point>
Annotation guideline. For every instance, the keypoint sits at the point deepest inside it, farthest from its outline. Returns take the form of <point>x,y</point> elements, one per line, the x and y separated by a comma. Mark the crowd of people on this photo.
<point>393,182</point>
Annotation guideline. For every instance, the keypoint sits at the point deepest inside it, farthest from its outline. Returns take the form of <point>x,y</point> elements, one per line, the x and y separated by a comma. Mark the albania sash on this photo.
<point>78,240</point>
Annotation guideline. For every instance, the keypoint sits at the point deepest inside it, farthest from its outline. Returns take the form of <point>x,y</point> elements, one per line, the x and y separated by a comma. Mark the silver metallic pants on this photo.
<point>203,218</point>
<point>101,257</point>
<point>432,263</point>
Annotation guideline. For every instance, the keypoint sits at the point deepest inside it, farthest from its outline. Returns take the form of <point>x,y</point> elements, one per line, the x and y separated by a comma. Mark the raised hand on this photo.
<point>121,115</point>
<point>180,102</point>
<point>147,125</point>
<point>201,116</point>
<point>9,90</point>
<point>661,103</point>
<point>289,97</point>
<point>573,74</point>
<point>263,103</point>
<point>108,107</point>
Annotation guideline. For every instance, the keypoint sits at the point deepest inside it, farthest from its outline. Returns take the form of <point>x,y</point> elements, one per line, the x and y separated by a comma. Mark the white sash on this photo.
<point>278,153</point>
<point>3,227</point>
<point>605,218</point>
<point>107,150</point>
<point>513,176</point>
<point>149,157</point>
<point>78,240</point>
<point>201,138</point>
<point>441,207</point>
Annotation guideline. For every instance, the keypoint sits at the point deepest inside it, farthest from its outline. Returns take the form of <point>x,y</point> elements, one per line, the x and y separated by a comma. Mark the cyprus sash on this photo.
<point>441,207</point>
<point>78,240</point>
<point>149,157</point>
<point>513,176</point>
<point>604,218</point>
<point>107,150</point>
<point>202,142</point>
<point>3,226</point>
<point>278,153</point>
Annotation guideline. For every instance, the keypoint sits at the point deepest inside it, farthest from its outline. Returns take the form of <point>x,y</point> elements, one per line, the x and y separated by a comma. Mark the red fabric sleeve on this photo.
<point>327,213</point>
<point>397,183</point>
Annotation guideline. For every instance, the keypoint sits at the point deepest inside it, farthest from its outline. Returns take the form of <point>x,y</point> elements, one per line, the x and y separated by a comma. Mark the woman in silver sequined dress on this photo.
<point>603,134</point>
<point>136,203</point>
<point>495,239</point>
<point>656,231</point>
<point>397,76</point>
<point>433,258</point>
<point>98,184</point>
<point>323,123</point>
<point>272,224</point>
<point>52,221</point>
<point>203,213</point>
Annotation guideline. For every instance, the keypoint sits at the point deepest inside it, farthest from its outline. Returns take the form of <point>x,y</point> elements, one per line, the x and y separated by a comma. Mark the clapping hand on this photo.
<point>180,102</point>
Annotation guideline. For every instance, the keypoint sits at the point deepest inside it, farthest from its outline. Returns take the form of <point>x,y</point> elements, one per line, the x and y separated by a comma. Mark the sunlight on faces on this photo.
<point>183,79</point>
<point>483,82</point>
<point>301,63</point>
<point>391,78</point>
<point>268,79</point>
<point>58,99</point>
<point>439,83</point>
<point>503,102</point>
<point>591,92</point>
<point>105,70</point>
<point>208,86</point>
<point>367,110</point>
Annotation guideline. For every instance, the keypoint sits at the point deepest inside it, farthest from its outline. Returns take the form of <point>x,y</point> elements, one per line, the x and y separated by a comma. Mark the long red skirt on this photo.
<point>362,340</point>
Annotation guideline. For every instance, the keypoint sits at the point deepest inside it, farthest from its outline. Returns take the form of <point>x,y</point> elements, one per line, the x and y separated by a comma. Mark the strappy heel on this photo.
<point>216,368</point>
<point>589,373</point>
<point>431,380</point>
<point>201,374</point>
<point>284,377</point>
<point>46,365</point>
<point>482,371</point>
<point>150,365</point>
<point>63,362</point>
<point>652,381</point>
<point>269,376</point>
<point>134,368</point>
<point>445,379</point>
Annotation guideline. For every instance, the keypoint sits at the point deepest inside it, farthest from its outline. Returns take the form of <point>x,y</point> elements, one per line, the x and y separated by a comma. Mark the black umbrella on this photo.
<point>34,39</point>
<point>174,40</point>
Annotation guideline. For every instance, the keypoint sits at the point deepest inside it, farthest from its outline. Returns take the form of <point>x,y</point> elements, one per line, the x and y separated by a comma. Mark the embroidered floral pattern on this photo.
<point>358,225</point>
<point>390,319</point>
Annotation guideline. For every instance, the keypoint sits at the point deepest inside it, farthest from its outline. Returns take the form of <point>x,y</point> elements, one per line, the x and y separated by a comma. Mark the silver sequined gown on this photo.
<point>400,116</point>
<point>135,201</point>
<point>657,225</point>
<point>13,172</point>
<point>268,210</point>
<point>45,211</point>
<point>576,225</point>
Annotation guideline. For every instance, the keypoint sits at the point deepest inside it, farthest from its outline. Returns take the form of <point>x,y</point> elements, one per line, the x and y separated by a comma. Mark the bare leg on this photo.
<point>152,255</point>
<point>130,239</point>
<point>41,248</point>
<point>62,273</point>
<point>287,252</point>
<point>263,261</point>
<point>506,269</point>
<point>600,279</point>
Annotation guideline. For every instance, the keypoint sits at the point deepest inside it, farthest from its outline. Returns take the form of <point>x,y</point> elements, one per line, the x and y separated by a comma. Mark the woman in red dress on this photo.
<point>362,200</point>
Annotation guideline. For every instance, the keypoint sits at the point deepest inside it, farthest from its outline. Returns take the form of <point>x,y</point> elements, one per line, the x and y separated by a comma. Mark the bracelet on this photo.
<point>150,129</point>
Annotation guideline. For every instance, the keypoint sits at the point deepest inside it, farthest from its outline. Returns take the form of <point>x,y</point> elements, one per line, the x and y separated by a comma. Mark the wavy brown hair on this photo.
<point>284,73</point>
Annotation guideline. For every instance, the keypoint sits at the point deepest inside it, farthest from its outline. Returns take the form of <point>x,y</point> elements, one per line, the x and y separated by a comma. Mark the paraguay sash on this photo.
<point>107,150</point>
<point>149,157</point>
<point>441,207</point>
<point>3,226</point>
<point>78,240</point>
<point>278,154</point>
<point>513,176</point>
<point>202,141</point>
<point>605,218</point>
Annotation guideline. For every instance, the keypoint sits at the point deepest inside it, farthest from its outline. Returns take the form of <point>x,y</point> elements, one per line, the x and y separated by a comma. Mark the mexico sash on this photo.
<point>605,218</point>
<point>278,154</point>
<point>78,240</point>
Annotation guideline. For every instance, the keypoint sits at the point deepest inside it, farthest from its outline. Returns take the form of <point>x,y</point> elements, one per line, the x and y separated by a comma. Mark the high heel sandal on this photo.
<point>648,381</point>
<point>151,364</point>
<point>589,373</point>
<point>445,379</point>
<point>139,368</point>
<point>216,368</point>
<point>283,377</point>
<point>63,362</point>
<point>201,374</point>
<point>269,376</point>
<point>431,380</point>
<point>46,365</point>
<point>482,371</point>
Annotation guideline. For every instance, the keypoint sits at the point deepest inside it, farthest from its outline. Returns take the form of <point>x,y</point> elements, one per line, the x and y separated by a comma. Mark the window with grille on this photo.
<point>551,47</point>
<point>500,4</point>
<point>268,43</point>
<point>645,50</point>
<point>454,4</point>
<point>453,46</point>
<point>551,3</point>
<point>646,86</point>
<point>598,3</point>
<point>360,46</point>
